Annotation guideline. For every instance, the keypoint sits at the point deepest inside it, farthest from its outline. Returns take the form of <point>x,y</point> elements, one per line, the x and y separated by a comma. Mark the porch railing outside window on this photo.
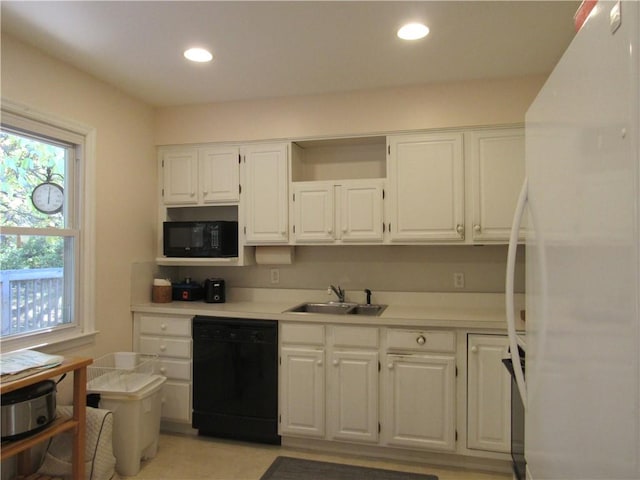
<point>32,300</point>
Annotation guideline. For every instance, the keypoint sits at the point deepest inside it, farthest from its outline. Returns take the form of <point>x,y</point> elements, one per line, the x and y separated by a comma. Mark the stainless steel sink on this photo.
<point>338,308</point>
<point>368,309</point>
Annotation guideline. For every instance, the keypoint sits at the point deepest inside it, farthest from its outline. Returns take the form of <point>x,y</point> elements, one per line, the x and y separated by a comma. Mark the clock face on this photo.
<point>48,198</point>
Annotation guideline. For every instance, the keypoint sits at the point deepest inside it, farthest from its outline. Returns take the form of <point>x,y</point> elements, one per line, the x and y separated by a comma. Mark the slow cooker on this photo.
<point>28,410</point>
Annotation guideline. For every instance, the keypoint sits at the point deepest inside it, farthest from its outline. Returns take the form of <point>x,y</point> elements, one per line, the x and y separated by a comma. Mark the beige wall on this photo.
<point>125,185</point>
<point>374,111</point>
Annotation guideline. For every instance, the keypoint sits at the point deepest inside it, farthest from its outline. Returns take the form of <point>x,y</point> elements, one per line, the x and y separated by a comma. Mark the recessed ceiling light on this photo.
<point>413,31</point>
<point>198,55</point>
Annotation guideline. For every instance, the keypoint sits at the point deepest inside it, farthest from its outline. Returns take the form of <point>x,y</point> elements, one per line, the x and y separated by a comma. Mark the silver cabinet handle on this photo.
<point>460,229</point>
<point>477,227</point>
<point>421,340</point>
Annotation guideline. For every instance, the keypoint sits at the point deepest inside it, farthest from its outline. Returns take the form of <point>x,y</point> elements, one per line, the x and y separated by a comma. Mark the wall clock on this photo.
<point>48,197</point>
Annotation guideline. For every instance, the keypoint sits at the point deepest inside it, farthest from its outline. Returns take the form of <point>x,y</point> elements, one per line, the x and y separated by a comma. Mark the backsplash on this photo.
<point>384,268</point>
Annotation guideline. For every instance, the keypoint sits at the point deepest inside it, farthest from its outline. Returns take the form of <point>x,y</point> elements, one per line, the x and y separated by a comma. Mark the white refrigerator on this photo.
<point>582,379</point>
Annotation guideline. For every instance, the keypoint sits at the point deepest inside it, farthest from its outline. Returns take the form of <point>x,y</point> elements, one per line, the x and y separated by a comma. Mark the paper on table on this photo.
<point>14,365</point>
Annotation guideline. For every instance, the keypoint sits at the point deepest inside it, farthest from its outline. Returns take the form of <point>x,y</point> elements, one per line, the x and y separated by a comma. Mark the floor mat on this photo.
<point>287,468</point>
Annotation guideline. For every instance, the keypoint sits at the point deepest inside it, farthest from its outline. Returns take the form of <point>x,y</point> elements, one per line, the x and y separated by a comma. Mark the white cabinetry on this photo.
<point>361,215</point>
<point>496,172</point>
<point>416,385</point>
<point>426,187</point>
<point>488,394</point>
<point>169,337</point>
<point>302,380</point>
<point>180,177</point>
<point>200,183</point>
<point>419,389</point>
<point>219,174</point>
<point>338,211</point>
<point>352,390</point>
<point>265,186</point>
<point>313,212</point>
<point>200,176</point>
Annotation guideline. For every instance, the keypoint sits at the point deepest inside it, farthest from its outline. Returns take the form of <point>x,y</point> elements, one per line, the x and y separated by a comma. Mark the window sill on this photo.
<point>50,342</point>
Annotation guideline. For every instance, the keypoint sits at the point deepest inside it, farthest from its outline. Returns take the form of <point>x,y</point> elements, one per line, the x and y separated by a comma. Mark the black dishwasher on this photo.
<point>235,378</point>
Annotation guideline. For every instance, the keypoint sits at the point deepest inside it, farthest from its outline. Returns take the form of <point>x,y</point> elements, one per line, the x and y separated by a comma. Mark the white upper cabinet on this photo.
<point>219,174</point>
<point>180,177</point>
<point>201,176</point>
<point>344,211</point>
<point>425,175</point>
<point>362,211</point>
<point>265,186</point>
<point>313,207</point>
<point>496,166</point>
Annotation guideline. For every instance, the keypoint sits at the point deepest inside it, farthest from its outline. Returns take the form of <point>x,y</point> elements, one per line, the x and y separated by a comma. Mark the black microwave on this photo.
<point>200,239</point>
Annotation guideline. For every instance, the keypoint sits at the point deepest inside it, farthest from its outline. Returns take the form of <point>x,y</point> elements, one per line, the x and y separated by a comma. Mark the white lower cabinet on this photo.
<point>416,385</point>
<point>420,402</point>
<point>488,394</point>
<point>419,389</point>
<point>169,337</point>
<point>302,380</point>
<point>302,391</point>
<point>352,386</point>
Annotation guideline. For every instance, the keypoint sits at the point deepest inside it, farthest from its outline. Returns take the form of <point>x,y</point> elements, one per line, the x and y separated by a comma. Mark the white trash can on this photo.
<point>129,388</point>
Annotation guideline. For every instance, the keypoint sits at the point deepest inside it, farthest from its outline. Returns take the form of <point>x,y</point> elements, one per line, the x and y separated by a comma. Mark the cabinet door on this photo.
<point>180,177</point>
<point>362,212</point>
<point>176,401</point>
<point>265,185</point>
<point>302,392</point>
<point>420,401</point>
<point>488,394</point>
<point>426,187</point>
<point>497,172</point>
<point>353,396</point>
<point>219,174</point>
<point>313,208</point>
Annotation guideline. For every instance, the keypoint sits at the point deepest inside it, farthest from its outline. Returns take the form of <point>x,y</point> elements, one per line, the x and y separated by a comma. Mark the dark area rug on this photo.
<point>287,468</point>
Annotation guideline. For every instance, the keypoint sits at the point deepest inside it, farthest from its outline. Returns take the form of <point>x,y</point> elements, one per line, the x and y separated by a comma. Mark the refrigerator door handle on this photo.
<point>509,295</point>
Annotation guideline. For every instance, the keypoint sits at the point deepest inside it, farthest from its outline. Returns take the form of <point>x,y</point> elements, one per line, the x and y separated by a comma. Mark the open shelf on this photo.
<point>339,159</point>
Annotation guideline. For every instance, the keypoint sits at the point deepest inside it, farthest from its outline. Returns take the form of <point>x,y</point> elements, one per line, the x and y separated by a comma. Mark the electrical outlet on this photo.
<point>458,280</point>
<point>275,276</point>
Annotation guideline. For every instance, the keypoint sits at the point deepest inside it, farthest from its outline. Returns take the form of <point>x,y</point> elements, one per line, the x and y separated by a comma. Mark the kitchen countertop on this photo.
<point>452,310</point>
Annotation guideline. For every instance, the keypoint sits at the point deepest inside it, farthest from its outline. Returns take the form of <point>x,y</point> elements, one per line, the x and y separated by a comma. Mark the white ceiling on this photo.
<point>271,49</point>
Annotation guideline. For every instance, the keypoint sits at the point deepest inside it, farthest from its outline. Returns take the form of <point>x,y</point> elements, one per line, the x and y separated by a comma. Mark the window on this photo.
<point>45,249</point>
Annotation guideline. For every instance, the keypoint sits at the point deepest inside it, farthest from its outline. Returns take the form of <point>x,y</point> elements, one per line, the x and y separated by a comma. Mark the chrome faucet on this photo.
<point>338,291</point>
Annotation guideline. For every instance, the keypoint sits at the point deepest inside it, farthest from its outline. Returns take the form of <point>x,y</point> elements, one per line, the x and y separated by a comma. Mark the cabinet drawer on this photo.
<point>177,369</point>
<point>351,336</point>
<point>302,334</point>
<point>421,340</point>
<point>176,401</point>
<point>158,325</point>
<point>163,346</point>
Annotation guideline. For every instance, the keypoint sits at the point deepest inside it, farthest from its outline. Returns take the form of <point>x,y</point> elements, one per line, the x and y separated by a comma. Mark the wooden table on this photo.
<point>75,424</point>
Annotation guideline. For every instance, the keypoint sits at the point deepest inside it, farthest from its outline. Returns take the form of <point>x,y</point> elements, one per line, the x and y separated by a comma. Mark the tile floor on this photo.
<point>185,457</point>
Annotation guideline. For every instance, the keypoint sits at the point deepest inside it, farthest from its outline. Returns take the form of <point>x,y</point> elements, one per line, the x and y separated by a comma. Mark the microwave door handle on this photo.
<point>509,294</point>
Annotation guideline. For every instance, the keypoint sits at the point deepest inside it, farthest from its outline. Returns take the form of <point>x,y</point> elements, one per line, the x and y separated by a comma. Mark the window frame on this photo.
<point>22,118</point>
